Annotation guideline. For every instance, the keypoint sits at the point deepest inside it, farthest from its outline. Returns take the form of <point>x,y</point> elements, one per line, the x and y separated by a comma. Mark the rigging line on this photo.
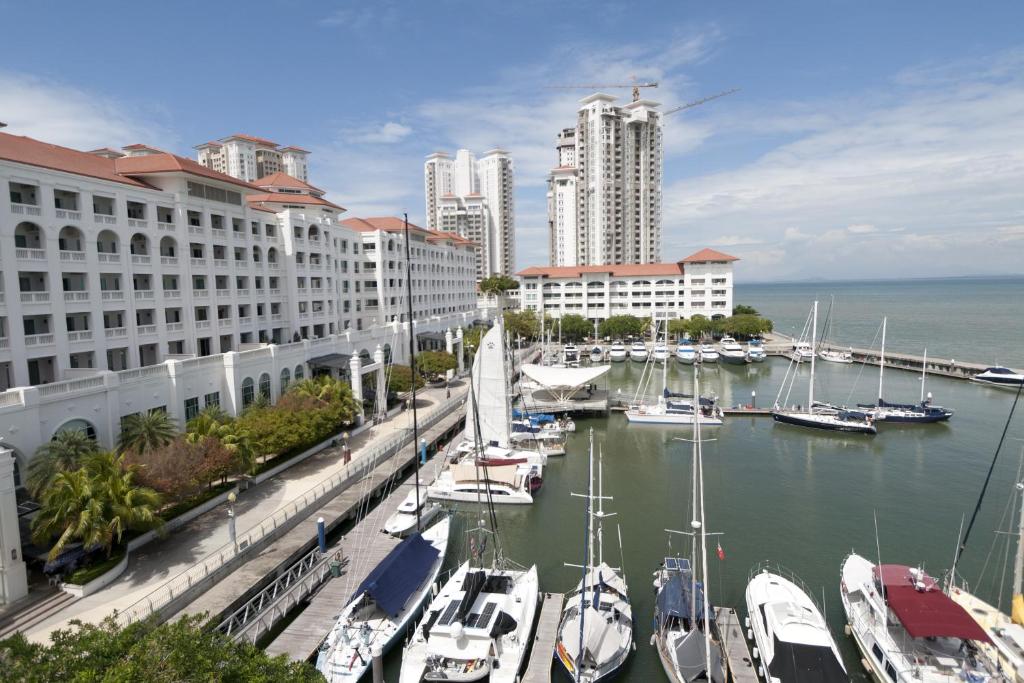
<point>1007,509</point>
<point>992,465</point>
<point>863,364</point>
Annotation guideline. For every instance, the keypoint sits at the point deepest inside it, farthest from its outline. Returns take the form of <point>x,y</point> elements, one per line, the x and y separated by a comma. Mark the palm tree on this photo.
<point>125,505</point>
<point>321,388</point>
<point>69,511</point>
<point>64,452</point>
<point>146,431</point>
<point>230,435</point>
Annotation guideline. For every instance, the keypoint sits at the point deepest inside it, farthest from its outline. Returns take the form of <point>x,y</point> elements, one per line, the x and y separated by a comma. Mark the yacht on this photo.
<point>791,635</point>
<point>836,356</point>
<point>638,352</point>
<point>403,521</point>
<point>907,629</point>
<point>660,352</point>
<point>708,353</point>
<point>571,355</point>
<point>596,354</point>
<point>617,353</point>
<point>755,351</point>
<point>731,352</point>
<point>595,632</point>
<point>544,441</point>
<point>803,351</point>
<point>1000,377</point>
<point>685,353</point>
<point>379,612</point>
<point>677,409</point>
<point>479,626</point>
<point>511,483</point>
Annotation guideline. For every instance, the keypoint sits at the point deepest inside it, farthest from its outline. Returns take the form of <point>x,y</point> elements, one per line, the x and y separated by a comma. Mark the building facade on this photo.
<point>701,283</point>
<point>604,197</point>
<point>248,158</point>
<point>474,199</point>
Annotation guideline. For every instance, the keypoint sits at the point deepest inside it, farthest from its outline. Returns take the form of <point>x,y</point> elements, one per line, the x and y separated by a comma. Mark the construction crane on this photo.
<point>697,103</point>
<point>635,86</point>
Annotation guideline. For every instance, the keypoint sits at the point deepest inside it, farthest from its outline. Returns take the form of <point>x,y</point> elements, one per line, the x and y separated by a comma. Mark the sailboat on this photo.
<point>413,513</point>
<point>595,633</point>
<point>883,411</point>
<point>685,630</point>
<point>819,416</point>
<point>825,350</point>
<point>480,624</point>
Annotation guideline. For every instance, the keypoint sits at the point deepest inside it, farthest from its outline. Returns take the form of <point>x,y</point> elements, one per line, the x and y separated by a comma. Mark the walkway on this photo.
<point>154,564</point>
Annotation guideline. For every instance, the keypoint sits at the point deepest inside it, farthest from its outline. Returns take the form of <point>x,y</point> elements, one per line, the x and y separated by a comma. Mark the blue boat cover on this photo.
<point>399,574</point>
<point>537,418</point>
<point>674,599</point>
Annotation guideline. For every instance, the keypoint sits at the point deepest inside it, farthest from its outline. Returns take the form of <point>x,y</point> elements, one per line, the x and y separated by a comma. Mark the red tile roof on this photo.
<point>165,162</point>
<point>212,143</point>
<point>293,148</point>
<point>33,152</point>
<point>288,198</point>
<point>623,269</point>
<point>395,224</point>
<point>281,179</point>
<point>106,150</point>
<point>250,138</point>
<point>708,255</point>
<point>139,146</point>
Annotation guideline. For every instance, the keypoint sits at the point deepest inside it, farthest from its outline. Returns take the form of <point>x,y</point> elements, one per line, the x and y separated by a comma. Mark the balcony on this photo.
<point>166,227</point>
<point>35,297</point>
<point>30,254</point>
<point>274,265</point>
<point>196,230</point>
<point>223,293</point>
<point>145,329</point>
<point>219,233</point>
<point>116,332</point>
<point>113,295</point>
<point>137,223</point>
<point>200,262</point>
<point>68,215</point>
<point>80,336</point>
<point>72,256</point>
<point>175,327</point>
<point>224,322</point>
<point>80,297</point>
<point>168,260</point>
<point>5,343</point>
<point>243,292</point>
<point>277,316</point>
<point>261,292</point>
<point>245,321</point>
<point>202,324</point>
<point>38,339</point>
<point>106,257</point>
<point>275,292</point>
<point>144,294</point>
<point>104,219</point>
<point>173,293</point>
<point>25,209</point>
<point>200,293</point>
<point>220,263</point>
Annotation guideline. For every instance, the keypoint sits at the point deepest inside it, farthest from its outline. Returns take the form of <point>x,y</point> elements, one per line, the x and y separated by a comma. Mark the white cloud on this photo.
<point>386,134</point>
<point>64,115</point>
<point>358,16</point>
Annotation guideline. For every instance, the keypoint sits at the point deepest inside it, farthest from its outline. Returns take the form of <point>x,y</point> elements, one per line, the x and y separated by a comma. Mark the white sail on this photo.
<point>490,384</point>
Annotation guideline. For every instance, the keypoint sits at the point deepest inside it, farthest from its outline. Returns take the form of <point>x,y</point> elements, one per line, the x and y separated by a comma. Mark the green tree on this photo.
<point>64,452</point>
<point>678,328</point>
<point>145,431</point>
<point>126,505</point>
<point>434,364</point>
<point>745,326</point>
<point>218,425</point>
<point>622,326</point>
<point>497,285</point>
<point>699,326</point>
<point>400,379</point>
<point>740,309</point>
<point>523,324</point>
<point>575,328</point>
<point>145,652</point>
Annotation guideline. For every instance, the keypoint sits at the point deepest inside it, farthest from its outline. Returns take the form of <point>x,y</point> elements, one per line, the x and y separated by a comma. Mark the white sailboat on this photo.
<point>685,632</point>
<point>595,633</point>
<point>405,520</point>
<point>827,352</point>
<point>670,408</point>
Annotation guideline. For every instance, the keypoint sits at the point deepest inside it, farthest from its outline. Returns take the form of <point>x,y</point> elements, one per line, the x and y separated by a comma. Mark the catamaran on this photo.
<point>685,631</point>
<point>819,416</point>
<point>730,351</point>
<point>595,633</point>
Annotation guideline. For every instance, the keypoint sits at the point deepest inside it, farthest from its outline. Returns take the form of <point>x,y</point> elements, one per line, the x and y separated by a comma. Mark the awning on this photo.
<point>331,360</point>
<point>923,609</point>
<point>563,383</point>
<point>399,574</point>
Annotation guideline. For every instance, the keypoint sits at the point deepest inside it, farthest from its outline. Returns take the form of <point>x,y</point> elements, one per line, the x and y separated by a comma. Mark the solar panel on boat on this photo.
<point>484,618</point>
<point>449,613</point>
<point>677,564</point>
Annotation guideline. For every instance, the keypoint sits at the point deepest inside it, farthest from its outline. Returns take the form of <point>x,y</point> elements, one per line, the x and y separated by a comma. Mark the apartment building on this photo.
<point>248,158</point>
<point>604,196</point>
<point>120,260</point>
<point>701,283</point>
<point>474,198</point>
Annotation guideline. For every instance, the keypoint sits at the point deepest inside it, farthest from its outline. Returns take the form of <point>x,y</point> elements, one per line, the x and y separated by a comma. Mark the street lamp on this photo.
<point>346,454</point>
<point>232,497</point>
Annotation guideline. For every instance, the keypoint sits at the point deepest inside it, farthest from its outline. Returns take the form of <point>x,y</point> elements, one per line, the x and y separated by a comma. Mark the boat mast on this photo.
<point>664,366</point>
<point>600,508</point>
<point>588,552</point>
<point>1017,602</point>
<point>881,362</point>
<point>543,340</point>
<point>694,524</point>
<point>412,370</point>
<point>814,340</point>
<point>699,468</point>
<point>924,369</point>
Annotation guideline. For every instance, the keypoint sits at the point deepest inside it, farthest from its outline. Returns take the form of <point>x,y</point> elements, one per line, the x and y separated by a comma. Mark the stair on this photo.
<point>35,611</point>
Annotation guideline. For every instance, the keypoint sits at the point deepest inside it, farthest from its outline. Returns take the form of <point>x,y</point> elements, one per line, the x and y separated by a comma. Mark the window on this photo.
<point>299,374</point>
<point>286,377</point>
<point>890,671</point>
<point>191,408</point>
<point>876,651</point>
<point>265,386</point>
<point>248,392</point>
<point>212,400</point>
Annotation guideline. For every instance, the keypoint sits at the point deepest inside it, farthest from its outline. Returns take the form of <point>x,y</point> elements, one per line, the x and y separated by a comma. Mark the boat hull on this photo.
<point>617,356</point>
<point>807,421</point>
<point>740,359</point>
<point>670,419</point>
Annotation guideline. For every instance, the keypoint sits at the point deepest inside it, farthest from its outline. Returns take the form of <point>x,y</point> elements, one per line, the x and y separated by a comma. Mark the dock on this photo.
<point>543,650</point>
<point>741,666</point>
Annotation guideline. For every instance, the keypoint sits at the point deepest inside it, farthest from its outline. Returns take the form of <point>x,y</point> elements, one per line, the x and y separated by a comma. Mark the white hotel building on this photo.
<point>699,284</point>
<point>137,279</point>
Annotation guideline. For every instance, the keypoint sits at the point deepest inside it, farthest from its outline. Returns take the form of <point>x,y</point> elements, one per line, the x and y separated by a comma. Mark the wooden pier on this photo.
<point>741,666</point>
<point>543,651</point>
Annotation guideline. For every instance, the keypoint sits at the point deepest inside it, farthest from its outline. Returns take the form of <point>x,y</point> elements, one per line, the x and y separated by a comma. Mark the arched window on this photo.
<point>257,255</point>
<point>272,255</point>
<point>70,239</point>
<point>248,392</point>
<point>265,386</point>
<point>77,425</point>
<point>139,244</point>
<point>168,247</point>
<point>664,282</point>
<point>299,373</point>
<point>286,377</point>
<point>107,242</point>
<point>28,236</point>
<point>641,283</point>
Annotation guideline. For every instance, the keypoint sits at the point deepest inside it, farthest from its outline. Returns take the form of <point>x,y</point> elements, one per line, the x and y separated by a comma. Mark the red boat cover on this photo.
<point>923,609</point>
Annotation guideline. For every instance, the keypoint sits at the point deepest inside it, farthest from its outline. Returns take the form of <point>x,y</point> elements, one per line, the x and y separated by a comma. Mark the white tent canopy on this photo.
<point>563,382</point>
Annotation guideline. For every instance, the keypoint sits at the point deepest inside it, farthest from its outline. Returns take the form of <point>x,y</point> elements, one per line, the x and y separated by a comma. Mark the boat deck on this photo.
<point>542,654</point>
<point>741,666</point>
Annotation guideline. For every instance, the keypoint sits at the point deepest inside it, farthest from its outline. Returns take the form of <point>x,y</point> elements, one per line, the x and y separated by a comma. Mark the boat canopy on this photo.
<point>399,574</point>
<point>563,383</point>
<point>794,661</point>
<point>536,418</point>
<point>923,609</point>
<point>674,599</point>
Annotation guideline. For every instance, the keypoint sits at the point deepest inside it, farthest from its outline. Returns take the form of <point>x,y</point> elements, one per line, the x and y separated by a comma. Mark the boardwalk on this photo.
<point>542,654</point>
<point>741,668</point>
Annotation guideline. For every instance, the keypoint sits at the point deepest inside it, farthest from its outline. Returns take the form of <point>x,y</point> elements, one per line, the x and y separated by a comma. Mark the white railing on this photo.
<point>76,296</point>
<point>260,292</point>
<point>113,332</point>
<point>141,259</point>
<point>220,263</point>
<point>145,329</point>
<point>144,294</point>
<point>11,397</point>
<point>113,295</point>
<point>33,254</point>
<point>202,324</point>
<point>223,293</point>
<point>277,316</point>
<point>200,293</point>
<point>137,223</point>
<point>68,214</point>
<point>275,292</point>
<point>26,209</point>
<point>196,229</point>
<point>247,320</point>
<point>273,265</point>
<point>296,509</point>
<point>5,343</point>
<point>172,293</point>
<point>107,257</point>
<point>80,335</point>
<point>104,218</point>
<point>242,292</point>
<point>198,261</point>
<point>59,389</point>
<point>68,255</point>
<point>175,327</point>
<point>169,227</point>
<point>38,339</point>
<point>35,297</point>
<point>224,322</point>
<point>219,232</point>
<point>137,374</point>
<point>168,260</point>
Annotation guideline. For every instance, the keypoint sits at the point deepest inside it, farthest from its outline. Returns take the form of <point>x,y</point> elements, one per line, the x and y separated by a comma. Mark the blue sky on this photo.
<point>869,139</point>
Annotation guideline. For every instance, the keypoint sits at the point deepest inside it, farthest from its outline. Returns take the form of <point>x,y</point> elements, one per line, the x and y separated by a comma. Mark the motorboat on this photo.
<point>524,421</point>
<point>545,441</point>
<point>571,355</point>
<point>638,352</point>
<point>617,352</point>
<point>480,626</point>
<point>907,629</point>
<point>755,351</point>
<point>596,354</point>
<point>819,415</point>
<point>660,352</point>
<point>793,640</point>
<point>686,353</point>
<point>677,409</point>
<point>380,610</point>
<point>708,353</point>
<point>803,351</point>
<point>836,356</point>
<point>595,631</point>
<point>1000,377</point>
<point>404,521</point>
<point>731,352</point>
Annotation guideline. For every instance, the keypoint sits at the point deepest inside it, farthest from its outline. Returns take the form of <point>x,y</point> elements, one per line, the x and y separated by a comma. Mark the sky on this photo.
<point>867,139</point>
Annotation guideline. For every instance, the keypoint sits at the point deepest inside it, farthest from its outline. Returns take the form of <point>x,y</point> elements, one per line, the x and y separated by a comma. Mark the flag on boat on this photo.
<point>721,553</point>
